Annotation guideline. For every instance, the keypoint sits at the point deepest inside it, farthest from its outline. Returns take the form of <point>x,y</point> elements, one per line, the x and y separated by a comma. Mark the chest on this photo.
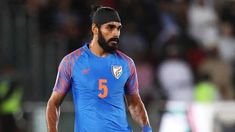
<point>92,74</point>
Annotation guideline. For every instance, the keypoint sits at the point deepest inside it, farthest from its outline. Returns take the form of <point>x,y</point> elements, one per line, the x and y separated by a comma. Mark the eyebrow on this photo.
<point>113,25</point>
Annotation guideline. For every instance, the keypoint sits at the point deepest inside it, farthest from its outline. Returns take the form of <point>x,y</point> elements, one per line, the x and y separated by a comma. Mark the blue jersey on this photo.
<point>98,85</point>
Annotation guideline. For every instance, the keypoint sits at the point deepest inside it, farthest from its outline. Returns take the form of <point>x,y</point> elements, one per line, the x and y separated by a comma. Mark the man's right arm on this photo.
<point>61,88</point>
<point>53,111</point>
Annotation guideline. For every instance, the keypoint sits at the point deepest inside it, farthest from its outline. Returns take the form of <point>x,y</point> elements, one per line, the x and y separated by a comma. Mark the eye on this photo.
<point>119,28</point>
<point>111,27</point>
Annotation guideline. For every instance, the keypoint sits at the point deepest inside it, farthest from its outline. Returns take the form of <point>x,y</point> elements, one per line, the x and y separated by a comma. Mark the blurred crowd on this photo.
<point>184,50</point>
<point>176,44</point>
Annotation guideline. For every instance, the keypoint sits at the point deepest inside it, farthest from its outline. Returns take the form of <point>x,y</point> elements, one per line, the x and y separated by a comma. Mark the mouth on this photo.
<point>114,42</point>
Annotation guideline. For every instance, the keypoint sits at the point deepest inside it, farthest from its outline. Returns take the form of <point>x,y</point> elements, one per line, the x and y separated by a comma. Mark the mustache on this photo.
<point>114,39</point>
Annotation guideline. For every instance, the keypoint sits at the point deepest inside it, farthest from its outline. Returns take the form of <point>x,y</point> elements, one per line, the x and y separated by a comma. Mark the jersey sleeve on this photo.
<point>132,86</point>
<point>63,79</point>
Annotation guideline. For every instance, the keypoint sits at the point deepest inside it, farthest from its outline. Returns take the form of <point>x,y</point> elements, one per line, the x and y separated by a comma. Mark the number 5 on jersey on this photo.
<point>103,86</point>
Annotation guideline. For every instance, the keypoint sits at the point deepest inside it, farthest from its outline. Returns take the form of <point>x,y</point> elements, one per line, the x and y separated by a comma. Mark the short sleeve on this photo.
<point>132,86</point>
<point>63,79</point>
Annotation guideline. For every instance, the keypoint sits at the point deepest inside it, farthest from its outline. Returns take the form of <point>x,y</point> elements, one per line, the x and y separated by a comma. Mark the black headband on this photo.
<point>104,15</point>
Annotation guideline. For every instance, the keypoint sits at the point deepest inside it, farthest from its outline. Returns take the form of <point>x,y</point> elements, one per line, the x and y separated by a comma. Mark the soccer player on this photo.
<point>103,82</point>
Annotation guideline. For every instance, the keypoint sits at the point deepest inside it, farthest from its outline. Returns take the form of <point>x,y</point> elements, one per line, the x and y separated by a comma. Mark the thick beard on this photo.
<point>107,46</point>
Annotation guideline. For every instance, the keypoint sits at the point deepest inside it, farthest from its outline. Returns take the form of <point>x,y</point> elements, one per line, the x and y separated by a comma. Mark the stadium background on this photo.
<point>184,51</point>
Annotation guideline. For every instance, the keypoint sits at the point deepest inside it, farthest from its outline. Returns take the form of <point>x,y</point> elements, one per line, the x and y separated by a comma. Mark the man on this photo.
<point>101,79</point>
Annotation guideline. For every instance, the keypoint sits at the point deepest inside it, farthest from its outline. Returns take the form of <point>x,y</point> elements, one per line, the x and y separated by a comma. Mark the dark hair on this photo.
<point>102,14</point>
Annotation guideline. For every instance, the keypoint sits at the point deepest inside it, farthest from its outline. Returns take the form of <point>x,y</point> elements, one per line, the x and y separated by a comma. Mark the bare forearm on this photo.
<point>138,112</point>
<point>52,116</point>
<point>139,115</point>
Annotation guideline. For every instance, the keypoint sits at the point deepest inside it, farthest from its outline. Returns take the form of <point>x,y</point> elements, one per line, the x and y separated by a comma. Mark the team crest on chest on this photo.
<point>117,71</point>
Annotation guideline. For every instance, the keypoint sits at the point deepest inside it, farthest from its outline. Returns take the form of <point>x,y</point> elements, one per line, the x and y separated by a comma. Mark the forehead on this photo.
<point>117,24</point>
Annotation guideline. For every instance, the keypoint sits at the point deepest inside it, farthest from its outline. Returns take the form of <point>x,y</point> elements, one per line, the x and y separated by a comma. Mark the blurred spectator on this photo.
<point>227,12</point>
<point>175,118</point>
<point>195,56</point>
<point>203,22</point>
<point>226,43</point>
<point>175,76</point>
<point>10,99</point>
<point>169,25</point>
<point>220,73</point>
<point>180,11</point>
<point>205,91</point>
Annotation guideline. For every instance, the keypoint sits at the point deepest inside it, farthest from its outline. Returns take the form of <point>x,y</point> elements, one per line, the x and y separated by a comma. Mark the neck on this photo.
<point>96,49</point>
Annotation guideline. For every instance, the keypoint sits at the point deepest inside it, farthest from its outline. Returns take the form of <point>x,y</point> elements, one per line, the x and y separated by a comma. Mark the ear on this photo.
<point>94,29</point>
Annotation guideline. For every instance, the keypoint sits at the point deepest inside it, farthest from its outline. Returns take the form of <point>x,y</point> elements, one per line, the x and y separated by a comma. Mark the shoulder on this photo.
<point>70,59</point>
<point>124,57</point>
<point>73,56</point>
<point>129,61</point>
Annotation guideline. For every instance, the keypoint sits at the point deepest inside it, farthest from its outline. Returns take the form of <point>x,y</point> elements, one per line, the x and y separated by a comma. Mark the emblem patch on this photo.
<point>117,71</point>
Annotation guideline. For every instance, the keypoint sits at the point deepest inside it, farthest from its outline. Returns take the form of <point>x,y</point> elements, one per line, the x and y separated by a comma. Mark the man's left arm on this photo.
<point>134,102</point>
<point>138,111</point>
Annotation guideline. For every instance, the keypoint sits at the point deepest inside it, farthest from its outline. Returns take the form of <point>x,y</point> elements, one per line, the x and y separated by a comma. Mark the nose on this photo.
<point>116,33</point>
